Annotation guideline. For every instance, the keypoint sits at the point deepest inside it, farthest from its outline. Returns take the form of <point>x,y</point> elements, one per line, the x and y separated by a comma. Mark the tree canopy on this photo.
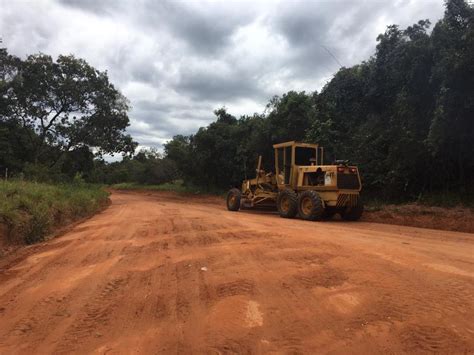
<point>58,107</point>
<point>406,116</point>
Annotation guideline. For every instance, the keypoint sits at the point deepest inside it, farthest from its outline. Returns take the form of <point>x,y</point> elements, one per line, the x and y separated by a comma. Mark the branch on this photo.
<point>61,154</point>
<point>54,118</point>
<point>25,126</point>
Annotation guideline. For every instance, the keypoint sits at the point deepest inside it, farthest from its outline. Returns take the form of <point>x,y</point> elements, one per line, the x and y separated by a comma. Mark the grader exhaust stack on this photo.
<point>302,184</point>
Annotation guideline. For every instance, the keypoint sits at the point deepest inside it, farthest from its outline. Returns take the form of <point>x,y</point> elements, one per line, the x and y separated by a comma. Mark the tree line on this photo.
<point>405,116</point>
<point>57,116</point>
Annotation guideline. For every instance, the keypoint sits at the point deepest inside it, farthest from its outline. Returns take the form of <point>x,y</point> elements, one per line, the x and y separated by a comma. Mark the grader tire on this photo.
<point>233,199</point>
<point>310,206</point>
<point>287,203</point>
<point>353,213</point>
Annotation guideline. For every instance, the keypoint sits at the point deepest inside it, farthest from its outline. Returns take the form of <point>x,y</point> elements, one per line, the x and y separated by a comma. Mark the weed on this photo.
<point>31,210</point>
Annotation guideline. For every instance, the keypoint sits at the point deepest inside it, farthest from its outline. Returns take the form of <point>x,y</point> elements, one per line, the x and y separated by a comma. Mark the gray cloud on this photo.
<point>213,85</point>
<point>204,29</point>
<point>99,7</point>
<point>177,61</point>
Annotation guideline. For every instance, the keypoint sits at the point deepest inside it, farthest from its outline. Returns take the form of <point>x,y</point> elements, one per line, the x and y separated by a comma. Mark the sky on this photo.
<point>177,61</point>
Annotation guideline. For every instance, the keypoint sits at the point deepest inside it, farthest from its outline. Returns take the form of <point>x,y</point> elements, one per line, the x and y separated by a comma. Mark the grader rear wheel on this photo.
<point>310,206</point>
<point>353,213</point>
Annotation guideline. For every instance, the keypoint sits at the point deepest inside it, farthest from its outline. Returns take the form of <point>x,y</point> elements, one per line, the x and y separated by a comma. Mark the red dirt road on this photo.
<point>160,273</point>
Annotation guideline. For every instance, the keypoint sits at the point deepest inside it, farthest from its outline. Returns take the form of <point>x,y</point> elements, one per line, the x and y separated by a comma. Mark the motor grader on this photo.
<point>302,184</point>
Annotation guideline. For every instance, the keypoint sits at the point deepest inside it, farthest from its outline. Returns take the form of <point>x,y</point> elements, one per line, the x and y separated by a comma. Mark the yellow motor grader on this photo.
<point>302,184</point>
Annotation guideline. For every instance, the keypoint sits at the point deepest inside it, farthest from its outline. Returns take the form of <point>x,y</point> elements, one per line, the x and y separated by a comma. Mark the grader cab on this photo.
<point>302,184</point>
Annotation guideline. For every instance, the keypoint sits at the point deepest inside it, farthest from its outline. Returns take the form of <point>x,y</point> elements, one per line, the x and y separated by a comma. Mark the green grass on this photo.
<point>30,211</point>
<point>176,186</point>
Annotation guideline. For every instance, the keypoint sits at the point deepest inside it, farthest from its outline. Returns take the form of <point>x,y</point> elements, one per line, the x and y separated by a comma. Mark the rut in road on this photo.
<point>161,273</point>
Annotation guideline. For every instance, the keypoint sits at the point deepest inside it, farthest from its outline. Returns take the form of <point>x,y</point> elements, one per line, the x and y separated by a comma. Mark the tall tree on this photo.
<point>451,135</point>
<point>290,116</point>
<point>67,104</point>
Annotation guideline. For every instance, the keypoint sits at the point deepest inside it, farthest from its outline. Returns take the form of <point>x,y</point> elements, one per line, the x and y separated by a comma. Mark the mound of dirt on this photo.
<point>5,245</point>
<point>458,219</point>
<point>3,237</point>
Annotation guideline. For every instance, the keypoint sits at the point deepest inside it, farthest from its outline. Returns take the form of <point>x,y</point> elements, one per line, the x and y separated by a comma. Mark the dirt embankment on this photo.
<point>161,273</point>
<point>3,240</point>
<point>12,242</point>
<point>451,219</point>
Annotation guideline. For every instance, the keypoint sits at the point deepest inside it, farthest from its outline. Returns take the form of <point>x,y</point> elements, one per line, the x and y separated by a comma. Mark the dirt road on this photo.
<point>166,274</point>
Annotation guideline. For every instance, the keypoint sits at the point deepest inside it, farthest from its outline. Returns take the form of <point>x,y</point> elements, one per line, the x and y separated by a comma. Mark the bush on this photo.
<point>43,173</point>
<point>175,186</point>
<point>30,211</point>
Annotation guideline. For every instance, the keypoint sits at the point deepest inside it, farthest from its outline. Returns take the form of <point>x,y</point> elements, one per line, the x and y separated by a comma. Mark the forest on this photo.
<point>405,116</point>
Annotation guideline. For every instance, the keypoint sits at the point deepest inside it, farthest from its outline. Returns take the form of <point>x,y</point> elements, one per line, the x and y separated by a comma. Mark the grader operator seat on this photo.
<point>290,155</point>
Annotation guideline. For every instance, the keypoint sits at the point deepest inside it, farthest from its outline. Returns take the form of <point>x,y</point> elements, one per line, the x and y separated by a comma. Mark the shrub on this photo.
<point>31,210</point>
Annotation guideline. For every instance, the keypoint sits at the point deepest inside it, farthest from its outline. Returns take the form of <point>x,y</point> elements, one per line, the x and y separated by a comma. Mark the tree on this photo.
<point>179,150</point>
<point>405,116</point>
<point>13,154</point>
<point>66,105</point>
<point>451,133</point>
<point>290,116</point>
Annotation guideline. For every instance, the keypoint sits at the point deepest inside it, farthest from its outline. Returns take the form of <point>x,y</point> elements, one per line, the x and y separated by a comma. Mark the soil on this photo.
<point>459,218</point>
<point>165,273</point>
<point>4,245</point>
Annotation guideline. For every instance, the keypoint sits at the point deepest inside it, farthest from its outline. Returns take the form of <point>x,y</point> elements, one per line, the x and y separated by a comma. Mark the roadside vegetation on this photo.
<point>30,211</point>
<point>404,116</point>
<point>173,186</point>
<point>58,117</point>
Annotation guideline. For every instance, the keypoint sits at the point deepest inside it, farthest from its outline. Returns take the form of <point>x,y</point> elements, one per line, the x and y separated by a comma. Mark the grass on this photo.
<point>176,186</point>
<point>30,211</point>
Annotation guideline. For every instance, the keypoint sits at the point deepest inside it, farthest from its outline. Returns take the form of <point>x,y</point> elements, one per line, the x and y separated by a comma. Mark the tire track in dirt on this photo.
<point>164,273</point>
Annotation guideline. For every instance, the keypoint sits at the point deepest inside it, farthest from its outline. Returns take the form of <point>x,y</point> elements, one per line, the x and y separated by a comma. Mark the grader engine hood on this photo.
<point>329,177</point>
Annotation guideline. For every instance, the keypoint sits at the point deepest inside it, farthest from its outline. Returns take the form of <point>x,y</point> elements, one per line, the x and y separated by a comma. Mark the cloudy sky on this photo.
<point>177,61</point>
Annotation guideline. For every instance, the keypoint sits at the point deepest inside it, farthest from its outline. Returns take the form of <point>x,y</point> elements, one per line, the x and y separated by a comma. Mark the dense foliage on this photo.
<point>147,167</point>
<point>406,116</point>
<point>30,211</point>
<point>55,116</point>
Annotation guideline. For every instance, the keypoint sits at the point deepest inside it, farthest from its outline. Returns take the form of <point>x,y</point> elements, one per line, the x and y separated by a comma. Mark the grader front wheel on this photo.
<point>287,203</point>
<point>233,199</point>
